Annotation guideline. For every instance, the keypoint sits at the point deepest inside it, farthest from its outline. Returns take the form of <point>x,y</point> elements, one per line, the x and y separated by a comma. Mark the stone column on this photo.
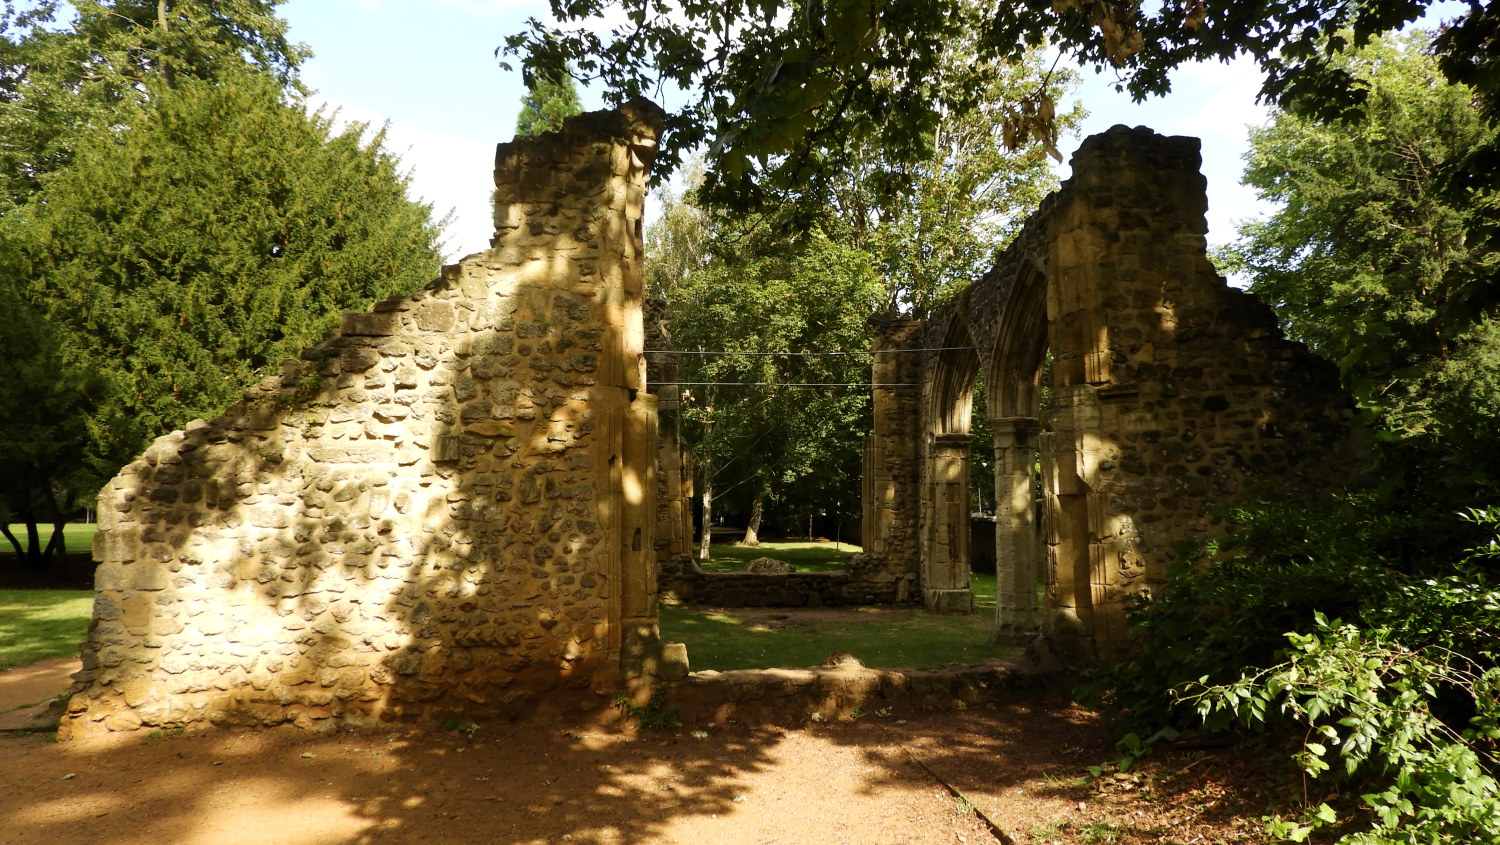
<point>1069,523</point>
<point>892,489</point>
<point>1018,545</point>
<point>945,553</point>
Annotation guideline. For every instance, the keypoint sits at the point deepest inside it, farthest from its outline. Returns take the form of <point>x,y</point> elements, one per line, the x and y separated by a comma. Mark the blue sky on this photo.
<point>429,70</point>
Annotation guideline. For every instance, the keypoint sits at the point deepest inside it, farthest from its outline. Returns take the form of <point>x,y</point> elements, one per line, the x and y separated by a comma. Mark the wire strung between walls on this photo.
<point>773,384</point>
<point>860,384</point>
<point>809,354</point>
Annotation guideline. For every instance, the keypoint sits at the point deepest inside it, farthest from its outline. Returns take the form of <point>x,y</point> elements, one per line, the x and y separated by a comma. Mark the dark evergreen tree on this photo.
<point>548,102</point>
<point>1371,262</point>
<point>175,223</point>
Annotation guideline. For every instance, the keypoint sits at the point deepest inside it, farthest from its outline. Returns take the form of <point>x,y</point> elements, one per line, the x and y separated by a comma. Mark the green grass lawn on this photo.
<point>808,556</point>
<point>42,624</point>
<point>77,535</point>
<point>750,638</point>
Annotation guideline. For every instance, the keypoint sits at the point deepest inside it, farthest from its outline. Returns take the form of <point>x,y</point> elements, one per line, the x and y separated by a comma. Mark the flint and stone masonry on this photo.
<point>446,507</point>
<point>1170,394</point>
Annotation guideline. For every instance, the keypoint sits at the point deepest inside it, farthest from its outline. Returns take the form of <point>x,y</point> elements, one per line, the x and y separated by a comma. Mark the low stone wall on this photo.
<point>682,581</point>
<point>794,697</point>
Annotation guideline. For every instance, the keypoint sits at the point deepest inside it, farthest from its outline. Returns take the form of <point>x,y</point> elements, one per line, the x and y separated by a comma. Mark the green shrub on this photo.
<point>1367,708</point>
<point>1228,605</point>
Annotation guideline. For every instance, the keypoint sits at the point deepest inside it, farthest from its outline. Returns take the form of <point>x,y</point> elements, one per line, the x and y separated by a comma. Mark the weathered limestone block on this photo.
<point>409,520</point>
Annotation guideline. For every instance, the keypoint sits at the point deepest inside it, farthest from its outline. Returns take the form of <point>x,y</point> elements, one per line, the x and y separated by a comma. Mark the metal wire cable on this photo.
<point>806,354</point>
<point>774,384</point>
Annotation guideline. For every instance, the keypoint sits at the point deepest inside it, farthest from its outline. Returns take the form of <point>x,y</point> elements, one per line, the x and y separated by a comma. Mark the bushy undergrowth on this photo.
<point>1395,707</point>
<point>1228,605</point>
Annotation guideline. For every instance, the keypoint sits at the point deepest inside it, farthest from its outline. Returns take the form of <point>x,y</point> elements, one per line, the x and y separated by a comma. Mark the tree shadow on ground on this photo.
<point>493,784</point>
<point>496,782</point>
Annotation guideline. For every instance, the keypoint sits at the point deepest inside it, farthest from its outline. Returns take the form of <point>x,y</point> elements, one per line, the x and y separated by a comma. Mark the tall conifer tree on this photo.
<point>174,223</point>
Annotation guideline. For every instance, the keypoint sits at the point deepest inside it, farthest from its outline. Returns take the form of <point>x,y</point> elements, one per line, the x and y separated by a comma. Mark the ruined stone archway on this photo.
<point>948,397</point>
<point>1171,393</point>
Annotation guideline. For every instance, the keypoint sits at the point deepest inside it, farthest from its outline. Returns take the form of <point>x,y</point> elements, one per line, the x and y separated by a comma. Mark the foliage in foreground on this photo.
<point>1227,606</point>
<point>1397,705</point>
<point>1381,717</point>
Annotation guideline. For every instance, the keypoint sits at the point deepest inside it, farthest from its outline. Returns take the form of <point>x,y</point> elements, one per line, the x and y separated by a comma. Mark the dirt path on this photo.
<point>25,690</point>
<point>875,781</point>
<point>859,784</point>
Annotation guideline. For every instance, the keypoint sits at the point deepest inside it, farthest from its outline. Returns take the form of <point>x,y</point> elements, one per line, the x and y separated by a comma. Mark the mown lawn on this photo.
<point>78,536</point>
<point>804,556</point>
<point>42,624</point>
<point>753,638</point>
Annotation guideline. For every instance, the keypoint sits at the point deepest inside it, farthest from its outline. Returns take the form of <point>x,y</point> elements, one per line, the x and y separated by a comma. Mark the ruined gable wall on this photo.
<point>444,508</point>
<point>1171,392</point>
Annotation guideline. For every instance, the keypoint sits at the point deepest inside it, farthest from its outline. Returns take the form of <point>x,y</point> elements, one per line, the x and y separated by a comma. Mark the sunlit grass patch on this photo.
<point>804,556</point>
<point>42,624</point>
<point>78,536</point>
<point>761,638</point>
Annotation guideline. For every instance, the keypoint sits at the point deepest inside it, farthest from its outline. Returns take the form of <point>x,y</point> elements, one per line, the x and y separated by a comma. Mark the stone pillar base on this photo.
<point>646,656</point>
<point>949,602</point>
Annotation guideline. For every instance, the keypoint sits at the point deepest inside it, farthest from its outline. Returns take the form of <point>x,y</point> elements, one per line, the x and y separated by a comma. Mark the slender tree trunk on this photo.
<point>15,541</point>
<point>33,553</point>
<point>752,528</point>
<point>57,547</point>
<point>166,64</point>
<point>706,534</point>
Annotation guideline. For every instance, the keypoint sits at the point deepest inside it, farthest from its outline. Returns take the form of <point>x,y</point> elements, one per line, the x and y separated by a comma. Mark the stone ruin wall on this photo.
<point>682,581</point>
<point>443,508</point>
<point>1171,394</point>
<point>674,464</point>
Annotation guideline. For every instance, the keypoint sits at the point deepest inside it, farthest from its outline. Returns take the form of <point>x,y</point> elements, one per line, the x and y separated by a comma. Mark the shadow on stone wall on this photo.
<point>433,513</point>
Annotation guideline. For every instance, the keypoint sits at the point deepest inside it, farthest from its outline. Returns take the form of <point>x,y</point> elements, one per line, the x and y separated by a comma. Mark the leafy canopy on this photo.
<point>785,91</point>
<point>1370,258</point>
<point>756,431</point>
